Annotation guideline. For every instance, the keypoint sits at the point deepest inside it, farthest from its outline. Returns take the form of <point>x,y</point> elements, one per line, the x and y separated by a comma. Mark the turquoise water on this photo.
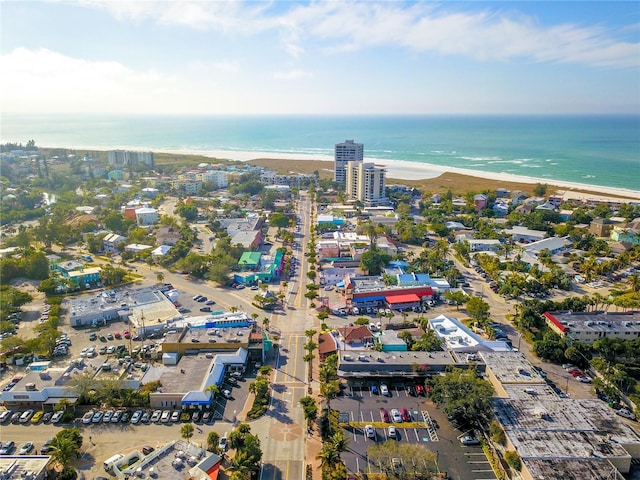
<point>594,150</point>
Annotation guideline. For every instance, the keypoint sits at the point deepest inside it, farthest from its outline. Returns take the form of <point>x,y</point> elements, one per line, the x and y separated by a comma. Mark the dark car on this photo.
<point>374,389</point>
<point>147,449</point>
<point>411,390</point>
<point>202,299</point>
<point>205,309</point>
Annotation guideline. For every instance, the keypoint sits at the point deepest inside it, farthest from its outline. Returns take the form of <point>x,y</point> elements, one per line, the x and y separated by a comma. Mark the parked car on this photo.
<point>97,417</point>
<point>384,390</point>
<point>146,417</point>
<point>107,416</point>
<point>623,412</point>
<point>5,415</point>
<point>406,416</point>
<point>393,433</point>
<point>46,447</point>
<point>205,309</point>
<point>202,299</point>
<point>223,444</point>
<point>369,431</point>
<point>196,416</point>
<point>26,416</point>
<point>210,302</point>
<point>57,417</point>
<point>419,389</point>
<point>15,418</point>
<point>93,337</point>
<point>226,393</point>
<point>384,415</point>
<point>126,334</point>
<point>395,415</point>
<point>26,449</point>
<point>411,390</point>
<point>166,416</point>
<point>175,416</point>
<point>155,417</point>
<point>206,417</point>
<point>8,447</point>
<point>37,416</point>
<point>136,417</point>
<point>469,440</point>
<point>374,389</point>
<point>117,416</point>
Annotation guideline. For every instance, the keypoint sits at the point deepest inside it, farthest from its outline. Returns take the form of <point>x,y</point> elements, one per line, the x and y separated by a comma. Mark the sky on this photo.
<point>318,57</point>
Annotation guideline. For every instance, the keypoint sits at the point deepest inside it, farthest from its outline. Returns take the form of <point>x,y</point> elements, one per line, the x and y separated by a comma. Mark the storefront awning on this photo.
<point>406,298</point>
<point>377,298</point>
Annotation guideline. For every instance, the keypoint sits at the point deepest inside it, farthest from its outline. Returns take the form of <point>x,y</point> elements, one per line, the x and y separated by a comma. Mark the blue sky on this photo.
<point>345,57</point>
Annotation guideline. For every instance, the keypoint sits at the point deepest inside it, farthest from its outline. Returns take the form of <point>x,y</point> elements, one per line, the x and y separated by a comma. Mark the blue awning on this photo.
<point>340,284</point>
<point>376,298</point>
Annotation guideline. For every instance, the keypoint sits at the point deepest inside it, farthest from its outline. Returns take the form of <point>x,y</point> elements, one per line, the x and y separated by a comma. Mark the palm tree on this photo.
<point>242,465</point>
<point>328,456</point>
<point>265,323</point>
<point>64,450</point>
<point>186,431</point>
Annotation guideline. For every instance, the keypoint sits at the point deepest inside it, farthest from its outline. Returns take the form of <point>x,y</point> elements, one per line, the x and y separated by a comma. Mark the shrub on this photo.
<point>185,417</point>
<point>513,459</point>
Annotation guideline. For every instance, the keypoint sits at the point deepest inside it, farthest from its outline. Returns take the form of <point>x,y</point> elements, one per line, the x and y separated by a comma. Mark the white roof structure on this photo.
<point>459,338</point>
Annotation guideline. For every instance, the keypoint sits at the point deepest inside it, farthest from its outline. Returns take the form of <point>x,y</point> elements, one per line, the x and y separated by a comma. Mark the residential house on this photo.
<point>503,193</point>
<point>554,245</point>
<point>137,247</point>
<point>159,253</point>
<point>484,245</point>
<point>518,197</point>
<point>480,201</point>
<point>524,234</point>
<point>167,236</point>
<point>146,216</point>
<point>110,242</point>
<point>327,346</point>
<point>628,233</point>
<point>500,208</point>
<point>357,336</point>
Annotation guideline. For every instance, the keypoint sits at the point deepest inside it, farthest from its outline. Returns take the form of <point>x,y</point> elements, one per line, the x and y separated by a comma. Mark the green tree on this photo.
<point>463,393</point>
<point>374,260</point>
<point>186,431</point>
<point>310,409</point>
<point>66,446</point>
<point>213,439</point>
<point>477,308</point>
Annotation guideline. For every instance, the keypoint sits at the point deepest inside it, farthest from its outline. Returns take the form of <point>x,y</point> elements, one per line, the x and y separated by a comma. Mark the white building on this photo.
<point>146,216</point>
<point>218,177</point>
<point>524,234</point>
<point>127,158</point>
<point>346,152</point>
<point>110,241</point>
<point>484,245</point>
<point>366,182</point>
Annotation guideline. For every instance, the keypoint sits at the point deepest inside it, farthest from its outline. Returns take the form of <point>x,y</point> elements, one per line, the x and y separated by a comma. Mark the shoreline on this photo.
<point>396,169</point>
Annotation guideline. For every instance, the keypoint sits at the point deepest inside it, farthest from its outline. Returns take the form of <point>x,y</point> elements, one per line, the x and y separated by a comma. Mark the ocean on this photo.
<point>602,150</point>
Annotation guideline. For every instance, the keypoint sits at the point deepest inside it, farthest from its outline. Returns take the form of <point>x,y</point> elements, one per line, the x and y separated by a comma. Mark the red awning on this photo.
<point>214,471</point>
<point>406,298</point>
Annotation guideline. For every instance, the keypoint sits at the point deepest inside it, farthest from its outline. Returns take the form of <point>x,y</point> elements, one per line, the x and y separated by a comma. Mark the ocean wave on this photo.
<point>588,176</point>
<point>480,159</point>
<point>531,166</point>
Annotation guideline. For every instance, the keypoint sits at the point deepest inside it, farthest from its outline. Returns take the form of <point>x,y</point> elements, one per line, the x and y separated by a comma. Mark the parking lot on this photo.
<point>427,427</point>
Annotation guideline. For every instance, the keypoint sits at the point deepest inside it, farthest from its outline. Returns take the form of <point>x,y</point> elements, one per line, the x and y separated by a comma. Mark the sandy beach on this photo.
<point>415,172</point>
<point>418,174</point>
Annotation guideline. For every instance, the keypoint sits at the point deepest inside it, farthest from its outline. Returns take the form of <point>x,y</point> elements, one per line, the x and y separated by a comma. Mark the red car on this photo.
<point>577,373</point>
<point>384,415</point>
<point>419,389</point>
<point>127,334</point>
<point>406,416</point>
<point>117,335</point>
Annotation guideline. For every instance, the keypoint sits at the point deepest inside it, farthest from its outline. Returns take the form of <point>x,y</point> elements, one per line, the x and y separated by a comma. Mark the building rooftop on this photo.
<point>596,321</point>
<point>511,367</point>
<point>188,375</point>
<point>572,469</point>
<point>23,467</point>
<point>562,415</point>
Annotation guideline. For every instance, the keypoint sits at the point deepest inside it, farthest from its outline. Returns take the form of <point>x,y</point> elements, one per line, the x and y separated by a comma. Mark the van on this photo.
<point>110,462</point>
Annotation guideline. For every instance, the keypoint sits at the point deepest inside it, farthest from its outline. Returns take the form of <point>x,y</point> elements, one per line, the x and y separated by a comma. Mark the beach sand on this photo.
<point>442,179</point>
<point>428,177</point>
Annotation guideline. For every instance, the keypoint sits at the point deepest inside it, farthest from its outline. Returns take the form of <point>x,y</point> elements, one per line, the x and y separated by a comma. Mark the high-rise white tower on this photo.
<point>346,152</point>
<point>366,182</point>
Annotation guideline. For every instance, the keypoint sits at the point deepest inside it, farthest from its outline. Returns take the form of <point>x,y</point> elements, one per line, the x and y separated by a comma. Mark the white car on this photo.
<point>86,418</point>
<point>58,416</point>
<point>623,412</point>
<point>166,416</point>
<point>97,417</point>
<point>223,444</point>
<point>155,417</point>
<point>369,431</point>
<point>384,390</point>
<point>395,415</point>
<point>107,416</point>
<point>175,416</point>
<point>393,433</point>
<point>469,440</point>
<point>226,393</point>
<point>137,415</point>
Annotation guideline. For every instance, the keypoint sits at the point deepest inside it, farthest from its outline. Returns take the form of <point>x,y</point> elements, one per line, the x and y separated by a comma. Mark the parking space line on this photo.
<point>415,430</point>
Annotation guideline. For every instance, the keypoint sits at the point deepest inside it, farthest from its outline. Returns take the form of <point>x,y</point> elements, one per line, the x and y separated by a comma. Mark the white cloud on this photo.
<point>42,80</point>
<point>227,66</point>
<point>422,27</point>
<point>292,75</point>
